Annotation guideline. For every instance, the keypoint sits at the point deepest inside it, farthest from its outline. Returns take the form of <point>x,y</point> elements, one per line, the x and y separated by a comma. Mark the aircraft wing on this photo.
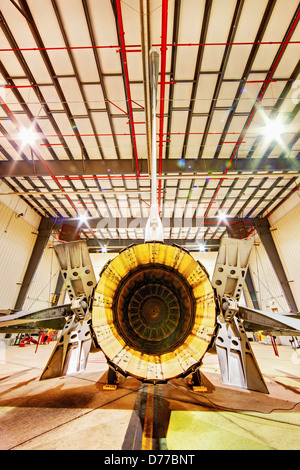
<point>26,321</point>
<point>275,323</point>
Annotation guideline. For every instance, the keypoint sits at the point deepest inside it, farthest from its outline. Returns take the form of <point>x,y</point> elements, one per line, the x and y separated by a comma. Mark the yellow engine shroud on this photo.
<point>154,312</point>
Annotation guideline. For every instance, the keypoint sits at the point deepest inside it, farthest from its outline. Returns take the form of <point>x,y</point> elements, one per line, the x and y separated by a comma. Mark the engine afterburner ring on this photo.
<point>154,311</point>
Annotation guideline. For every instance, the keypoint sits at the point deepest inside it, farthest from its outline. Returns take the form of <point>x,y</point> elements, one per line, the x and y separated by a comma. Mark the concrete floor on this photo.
<point>76,413</point>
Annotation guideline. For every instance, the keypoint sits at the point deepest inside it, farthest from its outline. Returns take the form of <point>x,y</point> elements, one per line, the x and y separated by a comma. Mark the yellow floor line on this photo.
<point>148,424</point>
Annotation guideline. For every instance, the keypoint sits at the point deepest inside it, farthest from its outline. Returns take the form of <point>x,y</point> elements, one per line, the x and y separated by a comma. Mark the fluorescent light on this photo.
<point>27,136</point>
<point>104,249</point>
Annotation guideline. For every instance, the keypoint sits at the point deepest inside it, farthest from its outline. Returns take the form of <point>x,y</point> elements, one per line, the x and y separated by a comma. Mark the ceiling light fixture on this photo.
<point>82,219</point>
<point>27,136</point>
<point>201,247</point>
<point>273,129</point>
<point>222,216</point>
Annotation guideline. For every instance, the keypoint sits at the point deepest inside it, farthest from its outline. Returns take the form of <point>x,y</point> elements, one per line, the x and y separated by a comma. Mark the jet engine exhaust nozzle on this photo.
<point>154,312</point>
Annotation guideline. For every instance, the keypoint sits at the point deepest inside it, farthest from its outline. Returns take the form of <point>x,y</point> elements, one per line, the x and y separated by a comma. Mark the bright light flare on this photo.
<point>82,219</point>
<point>222,216</point>
<point>27,136</point>
<point>273,129</point>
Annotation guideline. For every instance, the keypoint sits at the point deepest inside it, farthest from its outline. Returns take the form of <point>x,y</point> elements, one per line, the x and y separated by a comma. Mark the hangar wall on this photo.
<point>17,239</point>
<point>286,235</point>
<point>285,230</point>
<point>18,205</point>
<point>42,287</point>
<point>267,287</point>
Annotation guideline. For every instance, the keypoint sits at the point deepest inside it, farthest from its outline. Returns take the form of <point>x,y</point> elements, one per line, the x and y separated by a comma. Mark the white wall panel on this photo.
<point>99,260</point>
<point>285,229</point>
<point>44,281</point>
<point>19,206</point>
<point>284,209</point>
<point>17,239</point>
<point>286,235</point>
<point>267,286</point>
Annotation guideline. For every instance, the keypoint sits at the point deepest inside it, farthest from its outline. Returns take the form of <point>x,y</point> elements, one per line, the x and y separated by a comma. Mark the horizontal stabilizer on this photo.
<point>256,320</point>
<point>24,320</point>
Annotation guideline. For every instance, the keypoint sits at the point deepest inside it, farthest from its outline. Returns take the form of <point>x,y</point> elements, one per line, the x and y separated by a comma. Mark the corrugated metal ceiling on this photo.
<point>77,71</point>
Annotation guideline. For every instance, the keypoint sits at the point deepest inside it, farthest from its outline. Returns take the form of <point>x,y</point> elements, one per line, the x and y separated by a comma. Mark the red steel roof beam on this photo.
<point>123,52</point>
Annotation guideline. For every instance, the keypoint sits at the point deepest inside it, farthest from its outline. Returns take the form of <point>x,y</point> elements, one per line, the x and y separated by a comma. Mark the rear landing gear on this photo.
<point>196,382</point>
<point>112,380</point>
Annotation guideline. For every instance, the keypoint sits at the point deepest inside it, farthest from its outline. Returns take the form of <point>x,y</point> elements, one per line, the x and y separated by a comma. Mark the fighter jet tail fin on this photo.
<point>237,362</point>
<point>231,267</point>
<point>71,352</point>
<point>236,359</point>
<point>77,269</point>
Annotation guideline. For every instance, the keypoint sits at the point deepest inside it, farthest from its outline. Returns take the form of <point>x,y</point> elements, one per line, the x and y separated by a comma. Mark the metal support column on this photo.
<point>58,289</point>
<point>45,229</point>
<point>263,229</point>
<point>251,290</point>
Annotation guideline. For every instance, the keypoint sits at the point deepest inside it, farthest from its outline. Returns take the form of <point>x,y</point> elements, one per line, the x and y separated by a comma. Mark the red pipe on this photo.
<point>49,145</point>
<point>259,98</point>
<point>123,52</point>
<point>118,107</point>
<point>258,81</point>
<point>58,183</point>
<point>100,177</point>
<point>163,50</point>
<point>80,135</point>
<point>227,43</point>
<point>65,48</point>
<point>171,178</point>
<point>168,83</point>
<point>19,86</point>
<point>141,133</point>
<point>132,50</point>
<point>138,104</point>
<point>2,102</point>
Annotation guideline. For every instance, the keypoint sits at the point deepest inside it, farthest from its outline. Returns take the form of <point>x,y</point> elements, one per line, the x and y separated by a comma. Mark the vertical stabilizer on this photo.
<point>237,362</point>
<point>154,228</point>
<point>72,349</point>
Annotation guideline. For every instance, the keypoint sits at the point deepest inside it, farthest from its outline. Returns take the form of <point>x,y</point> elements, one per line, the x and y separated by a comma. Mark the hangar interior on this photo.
<point>75,164</point>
